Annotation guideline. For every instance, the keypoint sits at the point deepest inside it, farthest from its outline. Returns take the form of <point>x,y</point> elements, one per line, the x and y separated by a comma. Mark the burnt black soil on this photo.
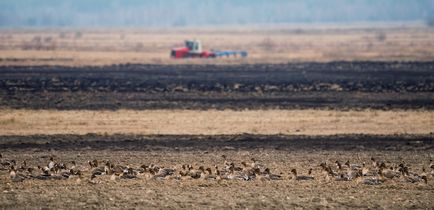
<point>182,143</point>
<point>336,85</point>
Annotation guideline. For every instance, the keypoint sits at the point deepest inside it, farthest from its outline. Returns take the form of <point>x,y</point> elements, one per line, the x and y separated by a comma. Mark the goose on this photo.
<point>365,170</point>
<point>154,173</point>
<point>184,171</point>
<point>360,179</point>
<point>388,173</point>
<point>246,168</point>
<point>161,173</point>
<point>323,166</point>
<point>114,177</point>
<point>412,177</point>
<point>209,174</point>
<point>424,176</point>
<point>143,169</point>
<point>97,171</point>
<point>47,175</point>
<point>217,171</point>
<point>51,164</point>
<point>204,175</point>
<point>118,169</point>
<point>15,177</point>
<point>235,168</point>
<point>196,174</point>
<point>7,163</point>
<point>339,166</point>
<point>352,166</point>
<point>375,164</point>
<point>404,170</point>
<point>352,174</point>
<point>255,164</point>
<point>128,174</point>
<point>92,179</point>
<point>272,176</point>
<point>341,177</point>
<point>108,169</point>
<point>297,177</point>
<point>260,175</point>
<point>23,166</point>
<point>93,163</point>
<point>166,171</point>
<point>66,173</point>
<point>235,176</point>
<point>73,165</point>
<point>30,171</point>
<point>325,171</point>
<point>45,171</point>
<point>74,170</point>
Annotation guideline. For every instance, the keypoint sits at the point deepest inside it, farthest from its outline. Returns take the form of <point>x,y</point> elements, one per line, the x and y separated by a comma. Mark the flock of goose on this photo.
<point>373,174</point>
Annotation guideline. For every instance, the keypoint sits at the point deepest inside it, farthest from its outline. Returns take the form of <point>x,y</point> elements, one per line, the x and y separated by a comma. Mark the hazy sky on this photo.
<point>170,13</point>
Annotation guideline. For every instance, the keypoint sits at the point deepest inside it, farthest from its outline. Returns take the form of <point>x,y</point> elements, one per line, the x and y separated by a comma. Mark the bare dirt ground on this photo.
<point>281,44</point>
<point>279,153</point>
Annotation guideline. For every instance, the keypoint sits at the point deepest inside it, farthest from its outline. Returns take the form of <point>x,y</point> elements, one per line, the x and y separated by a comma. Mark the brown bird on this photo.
<point>271,176</point>
<point>388,173</point>
<point>16,177</point>
<point>297,177</point>
<point>365,170</point>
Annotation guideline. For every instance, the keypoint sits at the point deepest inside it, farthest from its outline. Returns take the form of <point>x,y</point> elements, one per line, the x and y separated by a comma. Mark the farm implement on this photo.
<point>193,49</point>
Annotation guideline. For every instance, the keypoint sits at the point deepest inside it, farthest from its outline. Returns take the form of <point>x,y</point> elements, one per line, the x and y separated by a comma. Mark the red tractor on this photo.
<point>193,49</point>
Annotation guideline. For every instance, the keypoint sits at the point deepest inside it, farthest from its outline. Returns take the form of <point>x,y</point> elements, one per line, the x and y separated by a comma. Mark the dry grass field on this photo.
<point>213,122</point>
<point>265,45</point>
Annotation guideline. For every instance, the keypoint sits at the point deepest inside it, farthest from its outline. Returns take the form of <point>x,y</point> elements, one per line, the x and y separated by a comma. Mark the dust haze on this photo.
<point>172,13</point>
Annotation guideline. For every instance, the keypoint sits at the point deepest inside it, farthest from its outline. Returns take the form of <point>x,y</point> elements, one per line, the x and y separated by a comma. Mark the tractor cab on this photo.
<point>194,46</point>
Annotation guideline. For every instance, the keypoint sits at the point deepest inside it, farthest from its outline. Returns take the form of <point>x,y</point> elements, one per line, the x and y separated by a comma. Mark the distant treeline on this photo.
<point>175,13</point>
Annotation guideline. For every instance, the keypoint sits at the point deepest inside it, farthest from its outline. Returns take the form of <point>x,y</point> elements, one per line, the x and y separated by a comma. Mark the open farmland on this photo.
<point>279,153</point>
<point>75,96</point>
<point>278,44</point>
